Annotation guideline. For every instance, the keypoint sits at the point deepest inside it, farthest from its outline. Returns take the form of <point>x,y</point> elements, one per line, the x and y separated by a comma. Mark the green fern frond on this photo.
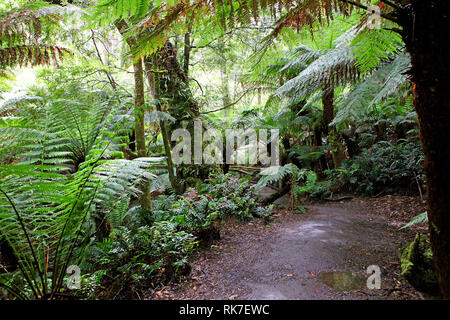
<point>378,86</point>
<point>274,174</point>
<point>370,47</point>
<point>332,69</point>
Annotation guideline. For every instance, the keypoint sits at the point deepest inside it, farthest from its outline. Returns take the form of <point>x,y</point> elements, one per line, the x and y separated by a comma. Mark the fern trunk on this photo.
<point>139,101</point>
<point>425,31</point>
<point>327,117</point>
<point>187,50</point>
<point>328,109</point>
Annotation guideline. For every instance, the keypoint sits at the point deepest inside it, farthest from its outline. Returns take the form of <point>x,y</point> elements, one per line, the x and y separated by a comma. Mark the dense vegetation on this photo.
<point>92,90</point>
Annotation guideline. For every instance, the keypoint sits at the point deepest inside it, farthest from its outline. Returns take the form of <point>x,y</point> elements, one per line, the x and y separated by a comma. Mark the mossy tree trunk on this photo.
<point>169,82</point>
<point>152,78</point>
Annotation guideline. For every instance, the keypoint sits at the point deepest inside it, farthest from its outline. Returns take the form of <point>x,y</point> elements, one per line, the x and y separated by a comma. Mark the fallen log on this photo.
<point>273,197</point>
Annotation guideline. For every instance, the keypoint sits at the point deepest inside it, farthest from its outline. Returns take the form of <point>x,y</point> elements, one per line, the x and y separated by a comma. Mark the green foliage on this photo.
<point>304,182</point>
<point>311,188</point>
<point>381,84</point>
<point>234,196</point>
<point>68,196</point>
<point>275,174</point>
<point>331,69</point>
<point>307,155</point>
<point>420,218</point>
<point>383,167</point>
<point>370,47</point>
<point>218,196</point>
<point>131,259</point>
<point>66,173</point>
<point>108,11</point>
<point>154,246</point>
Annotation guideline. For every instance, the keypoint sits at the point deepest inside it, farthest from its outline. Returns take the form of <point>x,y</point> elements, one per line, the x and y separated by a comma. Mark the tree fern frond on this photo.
<point>108,11</point>
<point>334,68</point>
<point>373,46</point>
<point>274,174</point>
<point>379,85</point>
<point>33,55</point>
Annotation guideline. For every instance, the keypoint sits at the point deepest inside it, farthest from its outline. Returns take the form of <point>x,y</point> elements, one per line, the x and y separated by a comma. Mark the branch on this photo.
<point>391,4</point>
<point>230,104</point>
<point>108,75</point>
<point>361,6</point>
<point>198,83</point>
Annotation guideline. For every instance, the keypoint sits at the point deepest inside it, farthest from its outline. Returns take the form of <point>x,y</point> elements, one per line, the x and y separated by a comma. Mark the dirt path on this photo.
<point>321,254</point>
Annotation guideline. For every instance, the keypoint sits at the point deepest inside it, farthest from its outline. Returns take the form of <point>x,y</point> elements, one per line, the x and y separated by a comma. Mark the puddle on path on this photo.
<point>343,281</point>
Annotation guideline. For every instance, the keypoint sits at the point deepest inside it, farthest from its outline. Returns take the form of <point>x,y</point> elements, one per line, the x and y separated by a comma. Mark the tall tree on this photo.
<point>139,108</point>
<point>425,26</point>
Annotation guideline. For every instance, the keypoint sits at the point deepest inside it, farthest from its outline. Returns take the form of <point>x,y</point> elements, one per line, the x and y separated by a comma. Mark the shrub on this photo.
<point>382,167</point>
<point>128,260</point>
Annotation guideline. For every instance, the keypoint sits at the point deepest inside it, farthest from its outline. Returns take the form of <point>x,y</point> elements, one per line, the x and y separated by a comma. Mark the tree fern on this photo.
<point>45,210</point>
<point>421,218</point>
<point>275,174</point>
<point>370,47</point>
<point>379,85</point>
<point>334,68</point>
<point>20,31</point>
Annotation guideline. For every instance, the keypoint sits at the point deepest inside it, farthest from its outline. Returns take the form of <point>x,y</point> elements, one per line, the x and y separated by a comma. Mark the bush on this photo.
<point>152,247</point>
<point>382,167</point>
<point>234,196</point>
<point>128,260</point>
<point>310,187</point>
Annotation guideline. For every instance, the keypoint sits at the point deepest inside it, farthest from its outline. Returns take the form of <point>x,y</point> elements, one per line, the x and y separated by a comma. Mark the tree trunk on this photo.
<point>187,50</point>
<point>154,88</point>
<point>328,109</point>
<point>139,101</point>
<point>139,111</point>
<point>425,32</point>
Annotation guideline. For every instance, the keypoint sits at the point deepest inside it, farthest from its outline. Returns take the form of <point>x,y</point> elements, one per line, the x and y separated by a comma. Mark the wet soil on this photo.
<point>323,253</point>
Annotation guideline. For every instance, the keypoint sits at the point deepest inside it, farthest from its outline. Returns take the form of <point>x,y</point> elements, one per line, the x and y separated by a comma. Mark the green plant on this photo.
<point>130,259</point>
<point>21,29</point>
<point>420,218</point>
<point>311,187</point>
<point>48,212</point>
<point>383,166</point>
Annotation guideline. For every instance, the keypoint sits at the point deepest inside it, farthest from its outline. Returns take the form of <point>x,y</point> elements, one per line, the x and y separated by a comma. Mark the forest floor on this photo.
<point>320,254</point>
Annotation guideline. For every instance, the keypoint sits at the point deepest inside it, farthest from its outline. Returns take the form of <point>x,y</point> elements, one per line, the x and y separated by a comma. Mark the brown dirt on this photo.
<point>321,254</point>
